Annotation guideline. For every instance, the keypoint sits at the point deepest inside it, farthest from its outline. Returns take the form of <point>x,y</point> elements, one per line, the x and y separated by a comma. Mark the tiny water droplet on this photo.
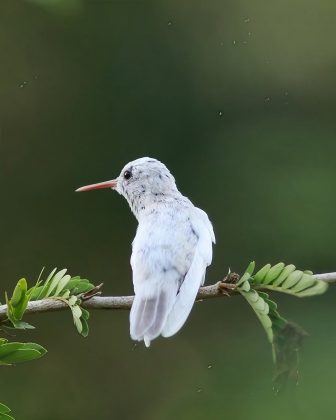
<point>220,113</point>
<point>199,390</point>
<point>249,33</point>
<point>247,20</point>
<point>170,23</point>
<point>209,366</point>
<point>267,99</point>
<point>234,42</point>
<point>23,84</point>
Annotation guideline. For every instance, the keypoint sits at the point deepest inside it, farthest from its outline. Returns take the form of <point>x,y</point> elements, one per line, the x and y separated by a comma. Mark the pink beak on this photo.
<point>107,184</point>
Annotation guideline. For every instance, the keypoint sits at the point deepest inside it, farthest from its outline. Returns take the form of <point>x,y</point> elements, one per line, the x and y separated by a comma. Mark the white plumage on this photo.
<point>171,249</point>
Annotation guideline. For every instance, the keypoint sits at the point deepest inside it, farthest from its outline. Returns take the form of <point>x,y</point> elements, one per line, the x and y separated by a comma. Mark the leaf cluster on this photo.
<point>285,337</point>
<point>287,279</point>
<point>58,285</point>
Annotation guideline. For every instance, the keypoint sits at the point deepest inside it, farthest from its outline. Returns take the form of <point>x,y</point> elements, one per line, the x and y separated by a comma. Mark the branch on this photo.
<point>219,289</point>
<point>327,277</point>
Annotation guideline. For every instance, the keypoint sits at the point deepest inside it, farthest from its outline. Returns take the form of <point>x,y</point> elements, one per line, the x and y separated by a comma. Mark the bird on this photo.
<point>170,252</point>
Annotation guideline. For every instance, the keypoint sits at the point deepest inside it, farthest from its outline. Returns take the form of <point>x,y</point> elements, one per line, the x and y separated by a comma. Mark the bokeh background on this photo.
<point>238,99</point>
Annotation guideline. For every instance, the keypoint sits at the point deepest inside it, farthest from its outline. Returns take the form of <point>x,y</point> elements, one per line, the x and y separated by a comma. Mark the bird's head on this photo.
<point>140,181</point>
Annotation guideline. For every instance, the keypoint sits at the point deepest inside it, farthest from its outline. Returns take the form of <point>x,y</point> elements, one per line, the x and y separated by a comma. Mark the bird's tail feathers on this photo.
<point>150,310</point>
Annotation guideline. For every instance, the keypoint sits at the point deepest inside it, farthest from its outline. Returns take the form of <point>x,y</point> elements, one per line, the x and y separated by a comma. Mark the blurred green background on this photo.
<point>238,99</point>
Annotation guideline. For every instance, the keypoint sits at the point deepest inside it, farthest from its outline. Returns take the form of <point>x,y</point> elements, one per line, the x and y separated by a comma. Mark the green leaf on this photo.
<point>247,275</point>
<point>257,301</point>
<point>16,325</point>
<point>76,311</point>
<point>20,355</point>
<point>4,409</point>
<point>17,305</point>
<point>20,352</point>
<point>85,328</point>
<point>285,337</point>
<point>78,324</point>
<point>19,292</point>
<point>59,285</point>
<point>260,275</point>
<point>273,273</point>
<point>55,281</point>
<point>261,308</point>
<point>31,292</point>
<point>80,317</point>
<point>284,274</point>
<point>77,286</point>
<point>317,289</point>
<point>6,417</point>
<point>245,287</point>
<point>72,301</point>
<point>85,314</point>
<point>287,279</point>
<point>40,292</point>
<point>66,294</point>
<point>62,283</point>
<point>244,278</point>
<point>292,279</point>
<point>250,268</point>
<point>21,325</point>
<point>35,292</point>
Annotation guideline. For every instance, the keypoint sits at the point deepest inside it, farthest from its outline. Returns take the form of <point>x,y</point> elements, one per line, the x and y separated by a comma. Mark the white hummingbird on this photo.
<point>170,252</point>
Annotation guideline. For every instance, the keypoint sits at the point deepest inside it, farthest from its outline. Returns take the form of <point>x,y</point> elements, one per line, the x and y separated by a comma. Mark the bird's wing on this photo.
<point>158,271</point>
<point>208,224</point>
<point>195,276</point>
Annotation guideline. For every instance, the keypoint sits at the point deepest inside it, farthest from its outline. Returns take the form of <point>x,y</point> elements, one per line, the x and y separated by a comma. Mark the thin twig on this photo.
<point>327,277</point>
<point>219,289</point>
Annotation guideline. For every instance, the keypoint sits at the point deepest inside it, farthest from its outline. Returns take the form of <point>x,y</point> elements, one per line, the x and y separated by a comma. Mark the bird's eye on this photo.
<point>127,174</point>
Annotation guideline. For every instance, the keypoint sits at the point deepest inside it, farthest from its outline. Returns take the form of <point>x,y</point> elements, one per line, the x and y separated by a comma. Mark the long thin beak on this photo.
<point>107,184</point>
